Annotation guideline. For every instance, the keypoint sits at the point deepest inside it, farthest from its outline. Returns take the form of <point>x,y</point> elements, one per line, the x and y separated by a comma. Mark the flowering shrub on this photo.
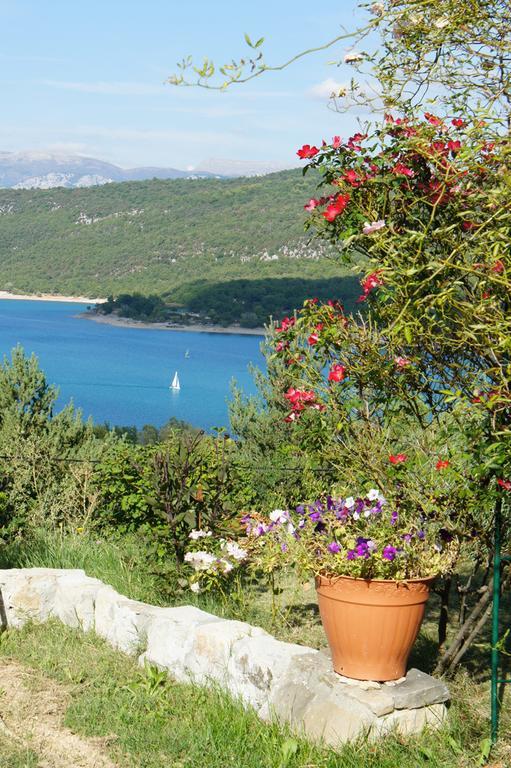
<point>363,537</point>
<point>214,560</point>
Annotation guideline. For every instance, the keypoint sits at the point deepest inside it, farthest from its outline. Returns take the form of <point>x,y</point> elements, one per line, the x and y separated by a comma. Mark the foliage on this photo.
<point>40,484</point>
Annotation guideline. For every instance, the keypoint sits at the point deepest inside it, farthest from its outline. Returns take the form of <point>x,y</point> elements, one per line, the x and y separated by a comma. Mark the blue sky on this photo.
<point>87,78</point>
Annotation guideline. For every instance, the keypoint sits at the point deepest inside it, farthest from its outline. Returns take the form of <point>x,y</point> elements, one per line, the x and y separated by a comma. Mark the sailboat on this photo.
<point>176,386</point>
<point>187,353</point>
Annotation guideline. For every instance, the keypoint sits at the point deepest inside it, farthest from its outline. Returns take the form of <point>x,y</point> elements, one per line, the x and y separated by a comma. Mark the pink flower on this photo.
<point>402,362</point>
<point>374,226</point>
<point>398,458</point>
<point>369,283</point>
<point>307,152</point>
<point>313,203</point>
<point>336,142</point>
<point>285,325</point>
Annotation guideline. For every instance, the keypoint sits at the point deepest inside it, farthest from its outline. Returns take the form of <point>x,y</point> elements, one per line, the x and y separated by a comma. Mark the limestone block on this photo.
<point>410,721</point>
<point>170,637</point>
<point>212,647</point>
<point>75,600</point>
<point>122,622</point>
<point>29,596</point>
<point>419,690</point>
<point>335,719</point>
<point>256,665</point>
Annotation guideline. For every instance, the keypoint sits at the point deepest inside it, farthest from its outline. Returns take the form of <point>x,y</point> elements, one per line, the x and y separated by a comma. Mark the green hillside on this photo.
<point>174,238</point>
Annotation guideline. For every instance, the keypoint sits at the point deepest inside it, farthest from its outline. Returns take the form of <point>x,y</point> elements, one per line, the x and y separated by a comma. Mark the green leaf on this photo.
<point>248,40</point>
<point>259,42</point>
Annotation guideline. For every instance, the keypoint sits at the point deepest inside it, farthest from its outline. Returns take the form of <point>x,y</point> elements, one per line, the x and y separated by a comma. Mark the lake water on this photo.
<point>122,375</point>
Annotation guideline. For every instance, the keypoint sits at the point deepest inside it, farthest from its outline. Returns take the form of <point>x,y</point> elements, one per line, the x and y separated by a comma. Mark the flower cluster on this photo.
<point>213,561</point>
<point>360,536</point>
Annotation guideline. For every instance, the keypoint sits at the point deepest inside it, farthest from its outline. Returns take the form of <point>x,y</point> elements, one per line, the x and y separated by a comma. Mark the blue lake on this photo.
<point>122,375</point>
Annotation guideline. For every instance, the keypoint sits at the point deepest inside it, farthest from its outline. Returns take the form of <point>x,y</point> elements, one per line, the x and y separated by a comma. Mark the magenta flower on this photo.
<point>334,548</point>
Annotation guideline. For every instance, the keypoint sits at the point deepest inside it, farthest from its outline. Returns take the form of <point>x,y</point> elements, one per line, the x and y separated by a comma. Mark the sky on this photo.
<point>88,78</point>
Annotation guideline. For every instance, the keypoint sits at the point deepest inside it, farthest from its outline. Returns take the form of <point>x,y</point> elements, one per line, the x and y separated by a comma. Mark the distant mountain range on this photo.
<point>45,170</point>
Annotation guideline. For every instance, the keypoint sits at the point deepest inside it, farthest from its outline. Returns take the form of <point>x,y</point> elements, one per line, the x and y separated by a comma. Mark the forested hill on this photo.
<point>165,237</point>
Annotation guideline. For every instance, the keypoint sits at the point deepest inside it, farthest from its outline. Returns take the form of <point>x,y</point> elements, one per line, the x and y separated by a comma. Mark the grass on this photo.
<point>14,757</point>
<point>291,615</point>
<point>148,721</point>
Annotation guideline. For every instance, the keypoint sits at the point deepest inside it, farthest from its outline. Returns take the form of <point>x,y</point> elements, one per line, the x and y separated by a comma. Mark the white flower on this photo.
<point>374,226</point>
<point>234,550</point>
<point>353,57</point>
<point>378,9</point>
<point>199,534</point>
<point>279,516</point>
<point>195,587</point>
<point>374,494</point>
<point>226,565</point>
<point>367,513</point>
<point>350,502</point>
<point>200,561</point>
<point>290,528</point>
<point>356,515</point>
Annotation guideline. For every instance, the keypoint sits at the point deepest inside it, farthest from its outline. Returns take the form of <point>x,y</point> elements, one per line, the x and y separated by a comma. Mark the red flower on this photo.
<point>442,464</point>
<point>313,339</point>
<point>458,122</point>
<point>486,295</point>
<point>398,458</point>
<point>432,119</point>
<point>400,169</point>
<point>336,208</point>
<point>468,225</point>
<point>498,267</point>
<point>454,146</point>
<point>285,325</point>
<point>438,146</point>
<point>336,142</point>
<point>353,178</point>
<point>369,283</point>
<point>293,416</point>
<point>307,151</point>
<point>505,484</point>
<point>337,372</point>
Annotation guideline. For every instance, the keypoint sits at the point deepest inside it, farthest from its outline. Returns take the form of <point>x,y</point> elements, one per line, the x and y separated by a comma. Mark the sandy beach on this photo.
<point>49,297</point>
<point>124,322</point>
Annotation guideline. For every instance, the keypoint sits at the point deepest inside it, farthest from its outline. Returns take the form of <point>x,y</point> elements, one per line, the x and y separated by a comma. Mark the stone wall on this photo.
<point>292,683</point>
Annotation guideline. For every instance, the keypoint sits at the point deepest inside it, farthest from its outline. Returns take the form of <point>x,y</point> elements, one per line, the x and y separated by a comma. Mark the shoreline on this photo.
<point>125,322</point>
<point>49,297</point>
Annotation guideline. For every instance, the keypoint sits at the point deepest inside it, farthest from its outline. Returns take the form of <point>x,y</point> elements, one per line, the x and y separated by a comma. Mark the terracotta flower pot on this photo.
<point>371,624</point>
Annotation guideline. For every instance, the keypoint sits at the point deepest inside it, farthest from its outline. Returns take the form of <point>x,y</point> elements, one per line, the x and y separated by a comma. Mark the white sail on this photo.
<point>175,382</point>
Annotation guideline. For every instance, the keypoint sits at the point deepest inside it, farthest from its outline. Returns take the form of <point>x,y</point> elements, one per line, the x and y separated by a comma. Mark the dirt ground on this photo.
<point>32,710</point>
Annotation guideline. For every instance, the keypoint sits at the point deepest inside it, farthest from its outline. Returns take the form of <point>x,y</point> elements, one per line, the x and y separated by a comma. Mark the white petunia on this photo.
<point>234,550</point>
<point>350,502</point>
<point>374,494</point>
<point>370,227</point>
<point>200,561</point>
<point>279,516</point>
<point>195,587</point>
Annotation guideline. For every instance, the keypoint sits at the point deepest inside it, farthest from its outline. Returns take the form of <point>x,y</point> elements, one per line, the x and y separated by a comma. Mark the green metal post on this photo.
<point>495,629</point>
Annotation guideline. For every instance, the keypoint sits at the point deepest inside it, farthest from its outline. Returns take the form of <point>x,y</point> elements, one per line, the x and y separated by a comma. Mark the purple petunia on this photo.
<point>334,547</point>
<point>394,517</point>
<point>389,553</point>
<point>351,554</point>
<point>421,535</point>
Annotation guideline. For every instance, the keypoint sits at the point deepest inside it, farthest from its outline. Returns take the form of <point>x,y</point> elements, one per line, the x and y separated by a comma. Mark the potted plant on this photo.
<point>373,565</point>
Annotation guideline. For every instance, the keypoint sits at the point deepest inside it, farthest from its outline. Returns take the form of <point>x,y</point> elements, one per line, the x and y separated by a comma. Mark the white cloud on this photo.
<point>324,90</point>
<point>109,88</point>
